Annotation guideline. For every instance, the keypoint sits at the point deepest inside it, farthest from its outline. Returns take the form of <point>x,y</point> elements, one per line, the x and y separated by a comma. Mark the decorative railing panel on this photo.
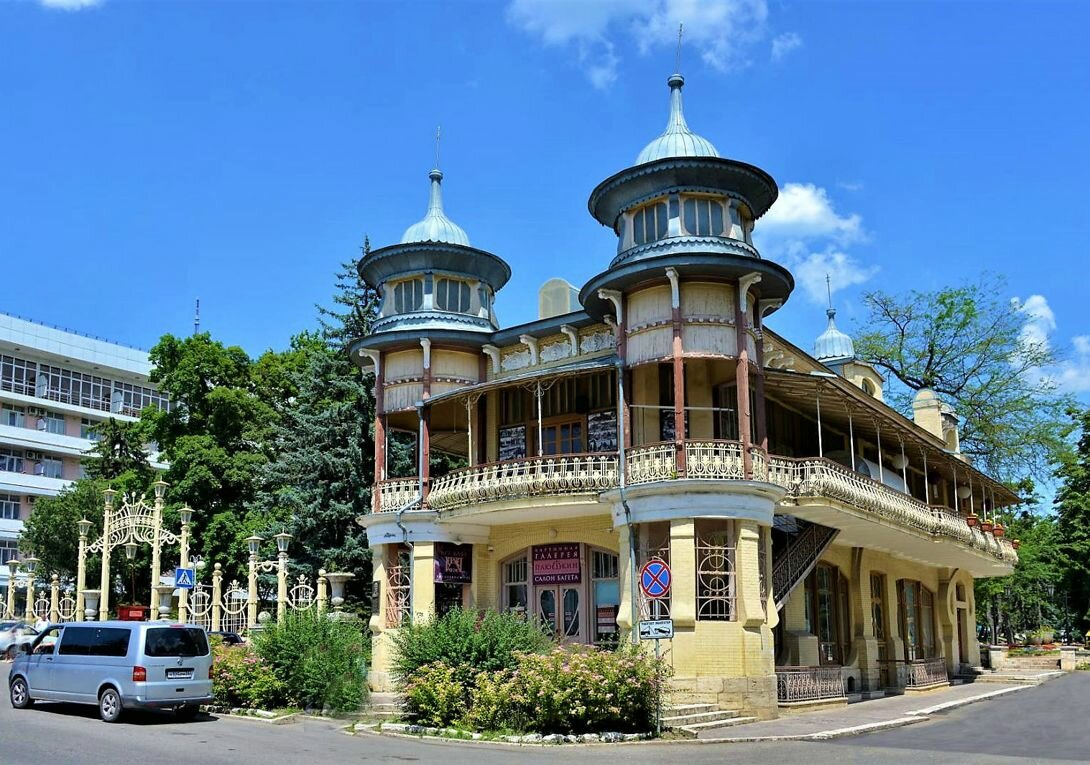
<point>712,459</point>
<point>398,585</point>
<point>918,673</point>
<point>825,478</point>
<point>650,463</point>
<point>396,493</point>
<point>800,558</point>
<point>795,684</point>
<point>559,474</point>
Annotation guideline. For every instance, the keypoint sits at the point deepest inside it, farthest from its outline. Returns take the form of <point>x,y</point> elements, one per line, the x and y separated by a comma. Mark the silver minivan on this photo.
<point>117,666</point>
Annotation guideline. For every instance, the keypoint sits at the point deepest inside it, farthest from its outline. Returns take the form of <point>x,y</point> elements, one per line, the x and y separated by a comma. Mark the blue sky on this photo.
<point>157,152</point>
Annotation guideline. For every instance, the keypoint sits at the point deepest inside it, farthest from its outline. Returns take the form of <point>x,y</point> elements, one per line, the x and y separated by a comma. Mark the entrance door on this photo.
<point>963,638</point>
<point>560,610</point>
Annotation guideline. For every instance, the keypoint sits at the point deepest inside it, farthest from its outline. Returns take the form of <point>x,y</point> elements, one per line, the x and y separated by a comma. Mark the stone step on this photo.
<point>696,718</point>
<point>697,728</point>
<point>672,710</point>
<point>1024,678</point>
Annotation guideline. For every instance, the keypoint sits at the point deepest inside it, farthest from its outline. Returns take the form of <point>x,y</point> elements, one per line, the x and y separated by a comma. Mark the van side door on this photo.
<point>40,668</point>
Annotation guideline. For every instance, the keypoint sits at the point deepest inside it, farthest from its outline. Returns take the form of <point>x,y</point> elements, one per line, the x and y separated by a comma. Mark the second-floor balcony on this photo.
<point>809,482</point>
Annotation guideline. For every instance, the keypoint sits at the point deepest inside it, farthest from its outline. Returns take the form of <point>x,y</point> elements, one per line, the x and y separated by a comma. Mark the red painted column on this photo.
<point>380,436</point>
<point>425,422</point>
<point>679,391</point>
<point>742,382</point>
<point>761,412</point>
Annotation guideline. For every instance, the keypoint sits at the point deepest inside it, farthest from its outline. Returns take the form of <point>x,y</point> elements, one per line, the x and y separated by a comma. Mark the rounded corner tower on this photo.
<point>684,206</point>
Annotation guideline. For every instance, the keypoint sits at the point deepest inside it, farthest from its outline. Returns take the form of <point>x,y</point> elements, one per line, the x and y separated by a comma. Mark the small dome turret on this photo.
<point>677,140</point>
<point>832,344</point>
<point>436,226</point>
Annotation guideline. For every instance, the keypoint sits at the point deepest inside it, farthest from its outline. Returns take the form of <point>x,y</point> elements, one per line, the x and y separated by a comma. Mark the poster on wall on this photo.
<point>602,431</point>
<point>557,563</point>
<point>453,563</point>
<point>513,442</point>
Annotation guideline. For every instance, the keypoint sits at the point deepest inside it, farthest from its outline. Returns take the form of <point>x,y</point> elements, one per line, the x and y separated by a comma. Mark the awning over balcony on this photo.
<point>841,400</point>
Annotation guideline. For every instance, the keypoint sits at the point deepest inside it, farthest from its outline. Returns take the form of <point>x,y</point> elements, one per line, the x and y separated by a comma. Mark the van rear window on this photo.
<point>175,641</point>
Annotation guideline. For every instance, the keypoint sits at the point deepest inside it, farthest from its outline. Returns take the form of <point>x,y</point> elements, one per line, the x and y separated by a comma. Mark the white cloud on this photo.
<point>804,232</point>
<point>1072,373</point>
<point>69,5</point>
<point>784,44</point>
<point>722,32</point>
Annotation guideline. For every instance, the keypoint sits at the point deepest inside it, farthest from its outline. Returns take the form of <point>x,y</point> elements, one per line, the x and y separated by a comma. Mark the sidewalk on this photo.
<point>861,717</point>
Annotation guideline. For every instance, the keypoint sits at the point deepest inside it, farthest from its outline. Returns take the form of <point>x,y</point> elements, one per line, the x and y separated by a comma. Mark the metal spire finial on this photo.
<point>677,58</point>
<point>437,147</point>
<point>829,288</point>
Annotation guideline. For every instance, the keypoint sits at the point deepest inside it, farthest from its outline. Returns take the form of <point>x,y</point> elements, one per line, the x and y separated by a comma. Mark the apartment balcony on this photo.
<point>34,485</point>
<point>868,513</point>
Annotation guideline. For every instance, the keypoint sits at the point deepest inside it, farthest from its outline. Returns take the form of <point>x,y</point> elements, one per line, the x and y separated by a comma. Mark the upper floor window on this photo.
<point>88,429</point>
<point>408,295</point>
<point>649,223</point>
<point>13,416</point>
<point>11,461</point>
<point>17,375</point>
<point>52,423</point>
<point>702,216</point>
<point>868,387</point>
<point>9,550</point>
<point>50,467</point>
<point>452,295</point>
<point>9,507</point>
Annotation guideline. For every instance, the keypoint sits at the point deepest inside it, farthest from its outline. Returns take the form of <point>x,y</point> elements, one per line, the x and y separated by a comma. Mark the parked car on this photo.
<point>14,635</point>
<point>228,638</point>
<point>117,666</point>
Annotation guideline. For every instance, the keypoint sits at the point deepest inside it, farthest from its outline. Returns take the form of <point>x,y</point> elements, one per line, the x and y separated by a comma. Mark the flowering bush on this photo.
<point>572,689</point>
<point>241,678</point>
<point>319,660</point>
<point>435,696</point>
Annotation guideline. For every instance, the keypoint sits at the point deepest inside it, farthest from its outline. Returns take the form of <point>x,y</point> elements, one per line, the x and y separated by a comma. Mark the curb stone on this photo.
<point>529,739</point>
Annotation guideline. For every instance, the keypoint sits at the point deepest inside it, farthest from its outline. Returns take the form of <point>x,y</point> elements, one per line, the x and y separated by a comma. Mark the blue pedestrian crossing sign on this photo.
<point>655,578</point>
<point>184,578</point>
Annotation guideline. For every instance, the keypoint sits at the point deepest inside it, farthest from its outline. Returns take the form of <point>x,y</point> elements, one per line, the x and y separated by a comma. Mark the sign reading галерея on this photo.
<point>557,563</point>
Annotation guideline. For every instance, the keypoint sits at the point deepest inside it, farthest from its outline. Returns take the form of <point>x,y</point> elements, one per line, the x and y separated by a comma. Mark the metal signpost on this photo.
<point>655,579</point>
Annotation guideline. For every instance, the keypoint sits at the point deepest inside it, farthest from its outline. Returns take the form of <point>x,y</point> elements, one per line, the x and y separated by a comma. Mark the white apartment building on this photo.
<point>55,386</point>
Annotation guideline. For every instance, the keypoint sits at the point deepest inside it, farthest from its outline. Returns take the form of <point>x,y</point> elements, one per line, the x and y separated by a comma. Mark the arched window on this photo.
<point>408,295</point>
<point>702,216</point>
<point>452,295</point>
<point>868,387</point>
<point>649,223</point>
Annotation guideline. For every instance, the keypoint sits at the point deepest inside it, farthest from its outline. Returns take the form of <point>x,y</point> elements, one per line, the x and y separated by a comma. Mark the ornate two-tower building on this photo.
<point>821,544</point>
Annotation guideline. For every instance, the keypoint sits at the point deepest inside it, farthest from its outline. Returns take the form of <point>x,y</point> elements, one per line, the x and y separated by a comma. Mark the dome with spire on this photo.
<point>677,140</point>
<point>436,226</point>
<point>832,343</point>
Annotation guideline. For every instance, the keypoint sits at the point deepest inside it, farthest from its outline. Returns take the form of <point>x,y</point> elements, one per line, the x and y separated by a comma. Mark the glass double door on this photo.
<point>559,607</point>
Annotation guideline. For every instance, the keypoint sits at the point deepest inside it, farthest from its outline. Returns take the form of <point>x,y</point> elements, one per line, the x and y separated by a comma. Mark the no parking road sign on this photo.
<point>655,578</point>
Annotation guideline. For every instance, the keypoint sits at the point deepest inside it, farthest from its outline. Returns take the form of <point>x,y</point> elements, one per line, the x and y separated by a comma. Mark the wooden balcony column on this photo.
<point>677,356</point>
<point>742,369</point>
<point>620,334</point>
<point>380,429</point>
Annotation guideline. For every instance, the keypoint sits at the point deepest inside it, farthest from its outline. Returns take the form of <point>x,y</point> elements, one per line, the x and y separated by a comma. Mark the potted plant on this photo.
<point>999,530</point>
<point>986,525</point>
<point>1016,543</point>
<point>972,519</point>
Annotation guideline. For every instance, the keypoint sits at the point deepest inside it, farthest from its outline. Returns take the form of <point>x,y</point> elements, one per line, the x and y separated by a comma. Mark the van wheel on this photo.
<point>109,705</point>
<point>20,694</point>
<point>187,713</point>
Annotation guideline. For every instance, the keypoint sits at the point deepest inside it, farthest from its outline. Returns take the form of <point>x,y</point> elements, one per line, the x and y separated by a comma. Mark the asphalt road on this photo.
<point>1040,725</point>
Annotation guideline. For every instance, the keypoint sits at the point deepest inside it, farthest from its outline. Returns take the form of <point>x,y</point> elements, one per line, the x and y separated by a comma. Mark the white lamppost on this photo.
<point>30,563</point>
<point>186,516</point>
<point>282,541</point>
<point>84,526</point>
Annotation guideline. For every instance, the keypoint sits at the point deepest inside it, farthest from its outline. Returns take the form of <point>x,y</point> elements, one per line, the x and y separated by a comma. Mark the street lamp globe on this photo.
<point>254,543</point>
<point>13,567</point>
<point>160,489</point>
<point>130,550</point>
<point>30,564</point>
<point>84,527</point>
<point>109,494</point>
<point>186,514</point>
<point>283,539</point>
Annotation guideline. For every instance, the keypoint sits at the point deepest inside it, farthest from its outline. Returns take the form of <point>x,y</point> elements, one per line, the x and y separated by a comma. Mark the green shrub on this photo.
<point>467,643</point>
<point>434,696</point>
<point>320,661</point>
<point>571,689</point>
<point>241,678</point>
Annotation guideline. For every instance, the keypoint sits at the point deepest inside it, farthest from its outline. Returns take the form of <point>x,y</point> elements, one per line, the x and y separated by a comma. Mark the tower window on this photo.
<point>408,296</point>
<point>452,295</point>
<point>649,223</point>
<point>702,216</point>
<point>868,387</point>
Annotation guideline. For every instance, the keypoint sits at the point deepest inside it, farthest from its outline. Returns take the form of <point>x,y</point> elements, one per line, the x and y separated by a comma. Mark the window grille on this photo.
<point>715,591</point>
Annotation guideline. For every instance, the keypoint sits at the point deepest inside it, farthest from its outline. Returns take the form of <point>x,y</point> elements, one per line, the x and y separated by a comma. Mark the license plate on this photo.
<point>179,674</point>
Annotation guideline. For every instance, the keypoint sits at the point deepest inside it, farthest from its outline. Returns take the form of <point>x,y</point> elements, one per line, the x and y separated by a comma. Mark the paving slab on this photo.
<point>861,717</point>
